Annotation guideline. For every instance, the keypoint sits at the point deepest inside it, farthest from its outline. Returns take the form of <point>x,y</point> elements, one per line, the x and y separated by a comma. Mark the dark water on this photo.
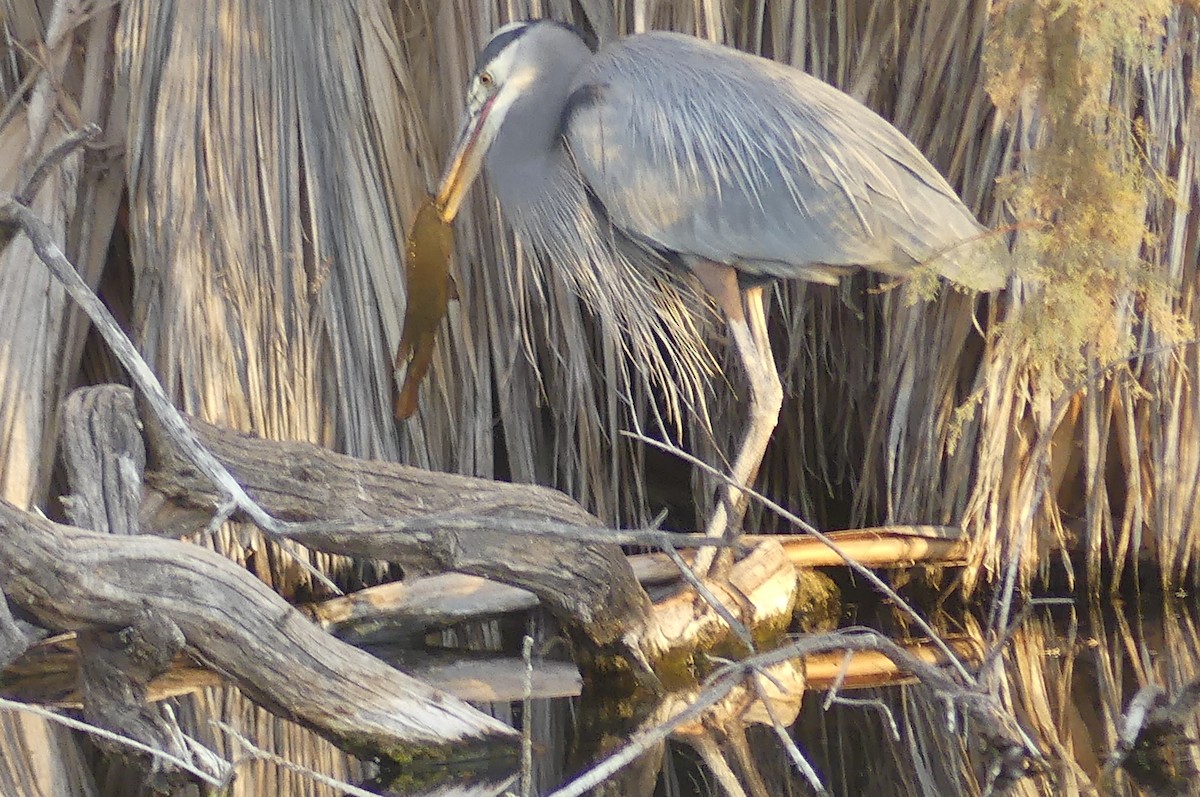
<point>1066,675</point>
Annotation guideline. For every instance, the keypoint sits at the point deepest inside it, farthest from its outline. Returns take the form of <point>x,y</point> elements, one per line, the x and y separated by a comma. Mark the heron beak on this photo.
<point>466,159</point>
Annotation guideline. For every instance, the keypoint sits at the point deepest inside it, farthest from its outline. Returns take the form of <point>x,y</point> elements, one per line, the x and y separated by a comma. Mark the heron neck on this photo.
<point>527,155</point>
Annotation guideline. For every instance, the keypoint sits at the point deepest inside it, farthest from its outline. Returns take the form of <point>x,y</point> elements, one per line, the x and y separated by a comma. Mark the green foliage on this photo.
<point>1080,197</point>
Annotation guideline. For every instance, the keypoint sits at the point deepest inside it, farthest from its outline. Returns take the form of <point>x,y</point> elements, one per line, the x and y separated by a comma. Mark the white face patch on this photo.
<point>509,79</point>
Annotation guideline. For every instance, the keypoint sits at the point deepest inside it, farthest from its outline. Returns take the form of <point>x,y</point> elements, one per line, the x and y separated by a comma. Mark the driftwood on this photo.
<point>413,606</point>
<point>407,608</point>
<point>104,458</point>
<point>370,509</point>
<point>74,579</point>
<point>165,593</point>
<point>426,520</point>
<point>437,521</point>
<point>48,675</point>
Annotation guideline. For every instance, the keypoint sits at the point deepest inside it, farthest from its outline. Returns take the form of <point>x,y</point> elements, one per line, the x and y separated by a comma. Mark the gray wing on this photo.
<point>713,153</point>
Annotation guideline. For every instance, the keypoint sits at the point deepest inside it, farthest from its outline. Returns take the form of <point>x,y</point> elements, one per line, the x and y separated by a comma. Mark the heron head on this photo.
<point>509,66</point>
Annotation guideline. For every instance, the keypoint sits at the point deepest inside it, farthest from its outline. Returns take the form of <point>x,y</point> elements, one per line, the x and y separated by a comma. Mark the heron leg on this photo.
<point>745,317</point>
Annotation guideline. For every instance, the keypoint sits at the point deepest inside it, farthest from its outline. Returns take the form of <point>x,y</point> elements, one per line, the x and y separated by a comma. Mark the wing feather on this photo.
<point>713,153</point>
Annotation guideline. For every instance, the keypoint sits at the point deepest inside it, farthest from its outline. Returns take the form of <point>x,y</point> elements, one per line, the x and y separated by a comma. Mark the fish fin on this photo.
<point>418,366</point>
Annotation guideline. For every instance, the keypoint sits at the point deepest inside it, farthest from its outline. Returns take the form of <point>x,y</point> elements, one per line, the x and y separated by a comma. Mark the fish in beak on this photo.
<point>466,159</point>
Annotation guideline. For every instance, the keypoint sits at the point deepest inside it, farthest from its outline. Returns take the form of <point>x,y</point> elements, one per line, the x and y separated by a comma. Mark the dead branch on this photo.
<point>866,573</point>
<point>729,696</point>
<point>427,520</point>
<point>14,213</point>
<point>69,578</point>
<point>52,158</point>
<point>401,609</point>
<point>104,459</point>
<point>444,522</point>
<point>412,606</point>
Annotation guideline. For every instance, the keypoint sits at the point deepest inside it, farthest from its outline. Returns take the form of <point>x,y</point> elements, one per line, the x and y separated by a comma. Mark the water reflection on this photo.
<point>1067,674</point>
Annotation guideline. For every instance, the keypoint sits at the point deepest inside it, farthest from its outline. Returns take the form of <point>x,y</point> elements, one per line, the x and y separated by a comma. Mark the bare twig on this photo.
<point>217,781</point>
<point>526,719</point>
<point>263,755</point>
<point>858,702</point>
<point>69,143</point>
<point>853,564</point>
<point>52,255</point>
<point>691,578</point>
<point>789,744</point>
<point>843,668</point>
<point>982,706</point>
<point>306,531</point>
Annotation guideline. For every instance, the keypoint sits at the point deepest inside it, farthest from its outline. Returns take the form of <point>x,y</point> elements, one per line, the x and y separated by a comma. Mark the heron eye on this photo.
<point>486,80</point>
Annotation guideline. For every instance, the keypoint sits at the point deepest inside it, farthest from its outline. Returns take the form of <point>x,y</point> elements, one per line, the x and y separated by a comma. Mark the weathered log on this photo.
<point>418,604</point>
<point>104,459</point>
<point>339,504</point>
<point>48,674</point>
<point>760,593</point>
<point>13,640</point>
<point>445,522</point>
<point>434,521</point>
<point>402,608</point>
<point>69,578</point>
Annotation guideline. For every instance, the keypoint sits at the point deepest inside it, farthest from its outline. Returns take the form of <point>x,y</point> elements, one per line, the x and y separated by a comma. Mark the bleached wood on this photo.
<point>74,579</point>
<point>104,457</point>
<point>427,520</point>
<point>760,592</point>
<point>499,679</point>
<point>447,598</point>
<point>413,606</point>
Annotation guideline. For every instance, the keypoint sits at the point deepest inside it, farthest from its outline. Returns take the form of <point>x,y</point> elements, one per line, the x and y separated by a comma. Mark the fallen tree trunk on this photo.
<point>104,458</point>
<point>73,579</point>
<point>413,606</point>
<point>425,520</point>
<point>443,522</point>
<point>47,674</point>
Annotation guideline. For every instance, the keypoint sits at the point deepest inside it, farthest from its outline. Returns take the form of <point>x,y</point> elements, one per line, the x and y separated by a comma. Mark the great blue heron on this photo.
<point>662,152</point>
